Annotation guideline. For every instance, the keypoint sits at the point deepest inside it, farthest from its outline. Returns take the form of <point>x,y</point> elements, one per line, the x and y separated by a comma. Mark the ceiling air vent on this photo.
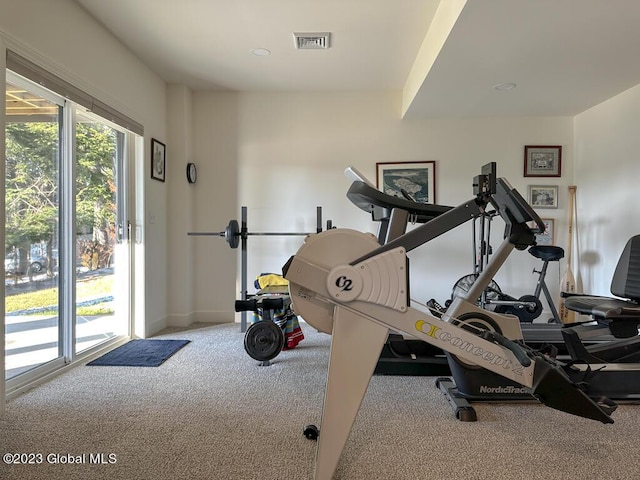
<point>312,41</point>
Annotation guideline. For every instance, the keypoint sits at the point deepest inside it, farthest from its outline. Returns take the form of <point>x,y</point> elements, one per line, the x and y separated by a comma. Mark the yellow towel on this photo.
<point>271,280</point>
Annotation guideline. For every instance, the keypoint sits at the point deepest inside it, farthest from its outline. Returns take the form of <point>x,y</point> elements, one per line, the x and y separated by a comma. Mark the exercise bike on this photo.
<point>527,307</point>
<point>345,283</point>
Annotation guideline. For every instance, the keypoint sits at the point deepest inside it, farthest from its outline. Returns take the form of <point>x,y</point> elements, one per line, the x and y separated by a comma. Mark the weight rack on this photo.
<point>235,235</point>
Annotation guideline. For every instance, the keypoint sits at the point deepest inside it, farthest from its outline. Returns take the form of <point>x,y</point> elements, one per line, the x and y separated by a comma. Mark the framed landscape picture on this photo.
<point>414,180</point>
<point>542,161</point>
<point>543,196</point>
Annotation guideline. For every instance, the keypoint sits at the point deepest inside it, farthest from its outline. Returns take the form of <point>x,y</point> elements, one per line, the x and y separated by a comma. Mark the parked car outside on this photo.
<point>38,264</point>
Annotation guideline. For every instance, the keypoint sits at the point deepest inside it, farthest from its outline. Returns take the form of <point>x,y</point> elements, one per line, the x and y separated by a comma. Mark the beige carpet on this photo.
<point>210,412</point>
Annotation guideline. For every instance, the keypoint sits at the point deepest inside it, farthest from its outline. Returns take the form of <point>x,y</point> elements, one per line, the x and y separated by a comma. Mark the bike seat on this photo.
<point>548,253</point>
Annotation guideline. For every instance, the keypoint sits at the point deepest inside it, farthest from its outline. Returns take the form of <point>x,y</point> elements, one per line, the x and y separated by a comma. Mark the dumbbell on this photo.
<point>253,304</point>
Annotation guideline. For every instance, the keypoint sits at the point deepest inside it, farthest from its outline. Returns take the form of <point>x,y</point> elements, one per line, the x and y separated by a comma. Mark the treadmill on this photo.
<point>400,355</point>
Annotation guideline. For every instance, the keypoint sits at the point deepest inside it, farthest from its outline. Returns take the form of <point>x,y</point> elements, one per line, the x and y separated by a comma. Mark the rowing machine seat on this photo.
<point>623,313</point>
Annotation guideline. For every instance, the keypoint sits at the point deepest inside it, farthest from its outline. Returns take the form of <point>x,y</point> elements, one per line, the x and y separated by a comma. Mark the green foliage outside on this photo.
<point>32,189</point>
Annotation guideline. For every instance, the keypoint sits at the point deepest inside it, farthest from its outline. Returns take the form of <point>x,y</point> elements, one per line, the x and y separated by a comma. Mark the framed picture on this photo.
<point>543,196</point>
<point>415,179</point>
<point>542,161</point>
<point>158,160</point>
<point>548,236</point>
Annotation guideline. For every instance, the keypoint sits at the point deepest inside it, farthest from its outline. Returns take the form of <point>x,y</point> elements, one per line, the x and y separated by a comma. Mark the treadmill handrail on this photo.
<point>368,198</point>
<point>353,174</point>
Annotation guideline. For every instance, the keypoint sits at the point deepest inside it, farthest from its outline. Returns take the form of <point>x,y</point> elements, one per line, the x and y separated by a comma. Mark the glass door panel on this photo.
<point>67,248</point>
<point>32,322</point>
<point>101,280</point>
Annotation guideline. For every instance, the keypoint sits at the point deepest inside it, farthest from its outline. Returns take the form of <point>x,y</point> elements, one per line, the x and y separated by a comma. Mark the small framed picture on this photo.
<point>158,160</point>
<point>548,236</point>
<point>414,179</point>
<point>543,196</point>
<point>542,161</point>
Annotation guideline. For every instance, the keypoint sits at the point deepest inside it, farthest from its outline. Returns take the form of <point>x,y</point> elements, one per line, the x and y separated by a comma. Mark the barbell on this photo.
<point>233,233</point>
<point>236,234</point>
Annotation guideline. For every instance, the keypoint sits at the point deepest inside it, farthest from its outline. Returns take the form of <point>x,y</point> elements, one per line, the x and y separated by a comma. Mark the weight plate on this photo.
<point>528,314</point>
<point>232,234</point>
<point>264,340</point>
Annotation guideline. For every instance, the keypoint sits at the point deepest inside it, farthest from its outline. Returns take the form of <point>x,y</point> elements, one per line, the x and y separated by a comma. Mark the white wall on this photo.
<point>607,169</point>
<point>291,150</point>
<point>180,207</point>
<point>215,202</point>
<point>61,37</point>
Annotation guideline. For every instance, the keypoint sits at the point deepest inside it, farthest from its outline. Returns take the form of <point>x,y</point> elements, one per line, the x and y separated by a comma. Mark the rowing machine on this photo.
<point>344,283</point>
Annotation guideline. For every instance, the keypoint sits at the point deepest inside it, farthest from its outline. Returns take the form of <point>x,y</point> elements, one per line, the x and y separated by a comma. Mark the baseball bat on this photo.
<point>568,282</point>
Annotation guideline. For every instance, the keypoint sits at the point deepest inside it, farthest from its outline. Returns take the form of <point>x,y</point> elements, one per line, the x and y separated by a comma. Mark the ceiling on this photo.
<point>564,56</point>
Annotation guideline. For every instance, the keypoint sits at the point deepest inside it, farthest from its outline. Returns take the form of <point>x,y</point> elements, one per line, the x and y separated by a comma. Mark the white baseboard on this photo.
<point>185,320</point>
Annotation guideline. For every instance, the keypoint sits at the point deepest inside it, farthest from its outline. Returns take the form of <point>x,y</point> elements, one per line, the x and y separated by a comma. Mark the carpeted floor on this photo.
<point>210,412</point>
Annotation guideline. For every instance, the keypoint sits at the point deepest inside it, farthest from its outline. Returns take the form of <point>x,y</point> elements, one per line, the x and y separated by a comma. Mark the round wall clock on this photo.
<point>192,172</point>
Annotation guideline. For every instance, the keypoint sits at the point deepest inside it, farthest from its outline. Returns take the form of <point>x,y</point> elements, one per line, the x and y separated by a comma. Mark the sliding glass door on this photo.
<point>33,130</point>
<point>102,257</point>
<point>67,246</point>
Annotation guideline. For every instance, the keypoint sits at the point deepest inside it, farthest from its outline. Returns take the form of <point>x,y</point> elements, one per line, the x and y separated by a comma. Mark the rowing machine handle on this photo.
<point>519,353</point>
